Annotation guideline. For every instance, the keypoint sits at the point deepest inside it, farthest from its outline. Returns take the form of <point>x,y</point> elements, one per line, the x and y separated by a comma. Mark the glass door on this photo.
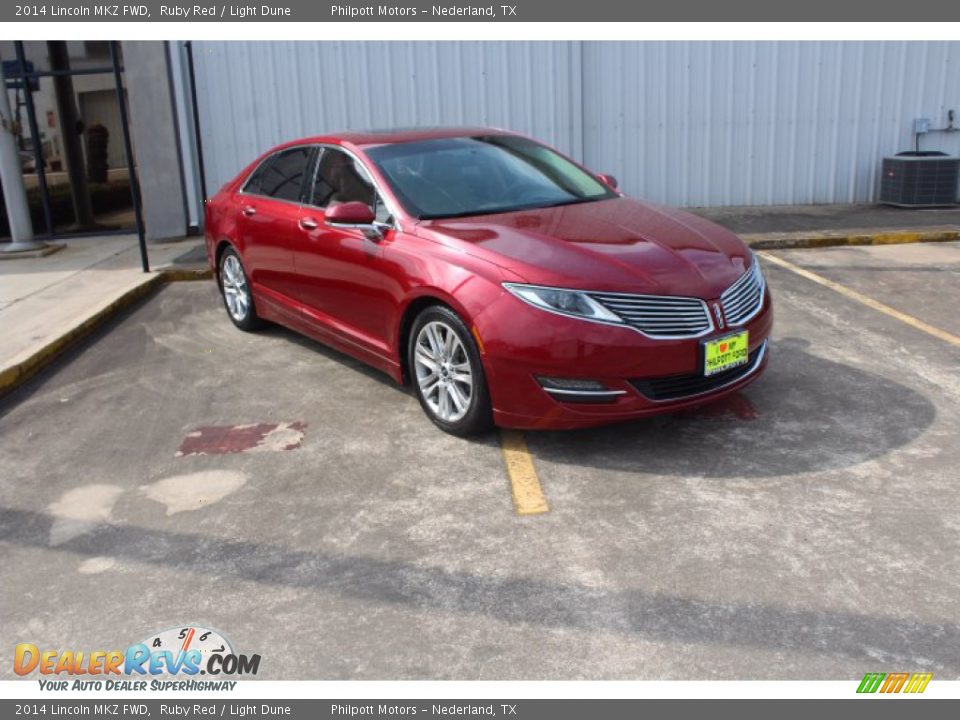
<point>70,136</point>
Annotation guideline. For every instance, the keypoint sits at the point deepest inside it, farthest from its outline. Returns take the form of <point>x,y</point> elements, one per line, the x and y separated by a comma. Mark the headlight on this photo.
<point>565,302</point>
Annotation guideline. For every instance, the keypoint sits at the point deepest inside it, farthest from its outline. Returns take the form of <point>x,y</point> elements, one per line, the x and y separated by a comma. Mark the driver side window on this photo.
<point>339,179</point>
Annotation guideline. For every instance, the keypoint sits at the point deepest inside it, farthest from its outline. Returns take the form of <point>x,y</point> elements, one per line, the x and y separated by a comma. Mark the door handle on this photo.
<point>249,210</point>
<point>308,224</point>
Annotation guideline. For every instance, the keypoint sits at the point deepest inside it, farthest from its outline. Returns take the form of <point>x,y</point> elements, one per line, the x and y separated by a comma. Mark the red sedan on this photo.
<point>506,283</point>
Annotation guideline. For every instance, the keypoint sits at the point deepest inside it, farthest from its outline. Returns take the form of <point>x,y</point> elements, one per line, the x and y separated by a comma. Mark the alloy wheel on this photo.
<point>443,371</point>
<point>235,289</point>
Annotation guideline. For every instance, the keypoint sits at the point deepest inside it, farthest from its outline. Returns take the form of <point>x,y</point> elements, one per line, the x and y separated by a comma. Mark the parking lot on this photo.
<point>177,471</point>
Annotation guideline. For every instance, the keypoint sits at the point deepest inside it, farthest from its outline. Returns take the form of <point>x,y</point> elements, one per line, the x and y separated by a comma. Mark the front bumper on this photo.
<point>640,376</point>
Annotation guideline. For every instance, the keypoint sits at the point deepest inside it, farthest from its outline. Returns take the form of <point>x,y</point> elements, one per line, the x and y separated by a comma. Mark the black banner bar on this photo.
<point>736,11</point>
<point>874,708</point>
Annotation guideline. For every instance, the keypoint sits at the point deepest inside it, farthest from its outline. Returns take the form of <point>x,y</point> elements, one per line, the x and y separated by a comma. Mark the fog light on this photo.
<point>570,384</point>
<point>576,390</point>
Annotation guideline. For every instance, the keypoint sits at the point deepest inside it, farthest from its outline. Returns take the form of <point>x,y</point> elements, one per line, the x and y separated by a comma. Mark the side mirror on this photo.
<point>350,213</point>
<point>608,180</point>
<point>355,215</point>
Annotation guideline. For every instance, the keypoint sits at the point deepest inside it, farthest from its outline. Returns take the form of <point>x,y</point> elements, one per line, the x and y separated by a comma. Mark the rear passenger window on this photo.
<point>253,182</point>
<point>282,177</point>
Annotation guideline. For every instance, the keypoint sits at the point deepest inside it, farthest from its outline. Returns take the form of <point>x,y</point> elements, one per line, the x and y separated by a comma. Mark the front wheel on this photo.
<point>447,374</point>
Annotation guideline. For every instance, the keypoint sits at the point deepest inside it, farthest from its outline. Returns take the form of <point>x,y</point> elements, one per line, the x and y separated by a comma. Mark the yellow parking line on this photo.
<point>528,496</point>
<point>868,301</point>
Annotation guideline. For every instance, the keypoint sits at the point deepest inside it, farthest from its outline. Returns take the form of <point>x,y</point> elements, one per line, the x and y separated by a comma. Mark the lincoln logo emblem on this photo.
<point>719,314</point>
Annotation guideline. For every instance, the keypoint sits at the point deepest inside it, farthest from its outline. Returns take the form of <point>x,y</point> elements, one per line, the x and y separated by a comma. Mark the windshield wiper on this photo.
<point>466,213</point>
<point>478,211</point>
<point>573,201</point>
<point>515,208</point>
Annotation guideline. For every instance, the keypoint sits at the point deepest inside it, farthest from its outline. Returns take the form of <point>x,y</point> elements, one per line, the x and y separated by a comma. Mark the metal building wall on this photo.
<point>685,123</point>
<point>253,95</point>
<point>762,123</point>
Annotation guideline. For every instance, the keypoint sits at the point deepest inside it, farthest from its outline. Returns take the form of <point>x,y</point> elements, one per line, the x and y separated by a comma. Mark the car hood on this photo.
<point>617,245</point>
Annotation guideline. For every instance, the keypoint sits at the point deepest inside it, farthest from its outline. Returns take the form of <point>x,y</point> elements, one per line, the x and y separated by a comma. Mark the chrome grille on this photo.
<point>659,316</point>
<point>742,300</point>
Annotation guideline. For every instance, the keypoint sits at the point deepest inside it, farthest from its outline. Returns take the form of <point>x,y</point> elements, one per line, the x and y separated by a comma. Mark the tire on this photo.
<point>447,374</point>
<point>235,289</point>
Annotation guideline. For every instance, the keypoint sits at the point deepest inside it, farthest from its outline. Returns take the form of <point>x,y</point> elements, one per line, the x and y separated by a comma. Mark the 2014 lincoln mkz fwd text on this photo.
<point>507,284</point>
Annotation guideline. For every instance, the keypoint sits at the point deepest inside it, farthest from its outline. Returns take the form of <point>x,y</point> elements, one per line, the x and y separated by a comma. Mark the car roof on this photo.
<point>389,136</point>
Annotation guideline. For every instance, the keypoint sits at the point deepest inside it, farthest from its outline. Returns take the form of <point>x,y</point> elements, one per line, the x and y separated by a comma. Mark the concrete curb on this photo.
<point>186,274</point>
<point>16,375</point>
<point>880,236</point>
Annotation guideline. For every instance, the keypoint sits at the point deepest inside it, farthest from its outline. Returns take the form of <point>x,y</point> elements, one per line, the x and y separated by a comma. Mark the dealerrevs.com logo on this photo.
<point>171,659</point>
<point>894,682</point>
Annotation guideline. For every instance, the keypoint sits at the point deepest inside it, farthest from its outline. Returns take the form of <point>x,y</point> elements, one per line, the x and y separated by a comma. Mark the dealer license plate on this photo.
<point>725,353</point>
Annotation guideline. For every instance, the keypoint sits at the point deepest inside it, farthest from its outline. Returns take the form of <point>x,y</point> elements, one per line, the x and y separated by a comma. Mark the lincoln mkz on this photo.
<point>504,282</point>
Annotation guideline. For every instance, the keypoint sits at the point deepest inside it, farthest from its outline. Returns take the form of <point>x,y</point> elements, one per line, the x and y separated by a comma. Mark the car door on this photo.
<point>269,216</point>
<point>341,274</point>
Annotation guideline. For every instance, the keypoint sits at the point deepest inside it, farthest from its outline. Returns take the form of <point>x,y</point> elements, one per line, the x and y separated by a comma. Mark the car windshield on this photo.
<point>463,176</point>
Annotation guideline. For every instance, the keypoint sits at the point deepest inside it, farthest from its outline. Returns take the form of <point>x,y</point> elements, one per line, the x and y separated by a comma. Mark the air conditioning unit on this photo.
<point>920,179</point>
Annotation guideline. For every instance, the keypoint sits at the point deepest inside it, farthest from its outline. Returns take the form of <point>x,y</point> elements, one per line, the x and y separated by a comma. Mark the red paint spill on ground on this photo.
<point>224,439</point>
<point>737,405</point>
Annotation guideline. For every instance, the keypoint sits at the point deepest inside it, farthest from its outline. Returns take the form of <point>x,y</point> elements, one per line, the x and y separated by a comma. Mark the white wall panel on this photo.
<point>761,123</point>
<point>253,95</point>
<point>685,123</point>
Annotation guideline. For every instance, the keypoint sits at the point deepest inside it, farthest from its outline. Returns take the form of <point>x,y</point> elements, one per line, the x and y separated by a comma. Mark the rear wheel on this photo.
<point>235,287</point>
<point>447,374</point>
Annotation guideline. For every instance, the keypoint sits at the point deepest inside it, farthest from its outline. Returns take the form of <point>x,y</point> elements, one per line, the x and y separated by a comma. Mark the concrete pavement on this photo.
<point>791,226</point>
<point>827,218</point>
<point>804,529</point>
<point>48,302</point>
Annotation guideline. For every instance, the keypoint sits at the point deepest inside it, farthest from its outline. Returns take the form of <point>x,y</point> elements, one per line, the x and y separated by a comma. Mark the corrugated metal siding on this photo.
<point>253,95</point>
<point>685,123</point>
<point>761,123</point>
